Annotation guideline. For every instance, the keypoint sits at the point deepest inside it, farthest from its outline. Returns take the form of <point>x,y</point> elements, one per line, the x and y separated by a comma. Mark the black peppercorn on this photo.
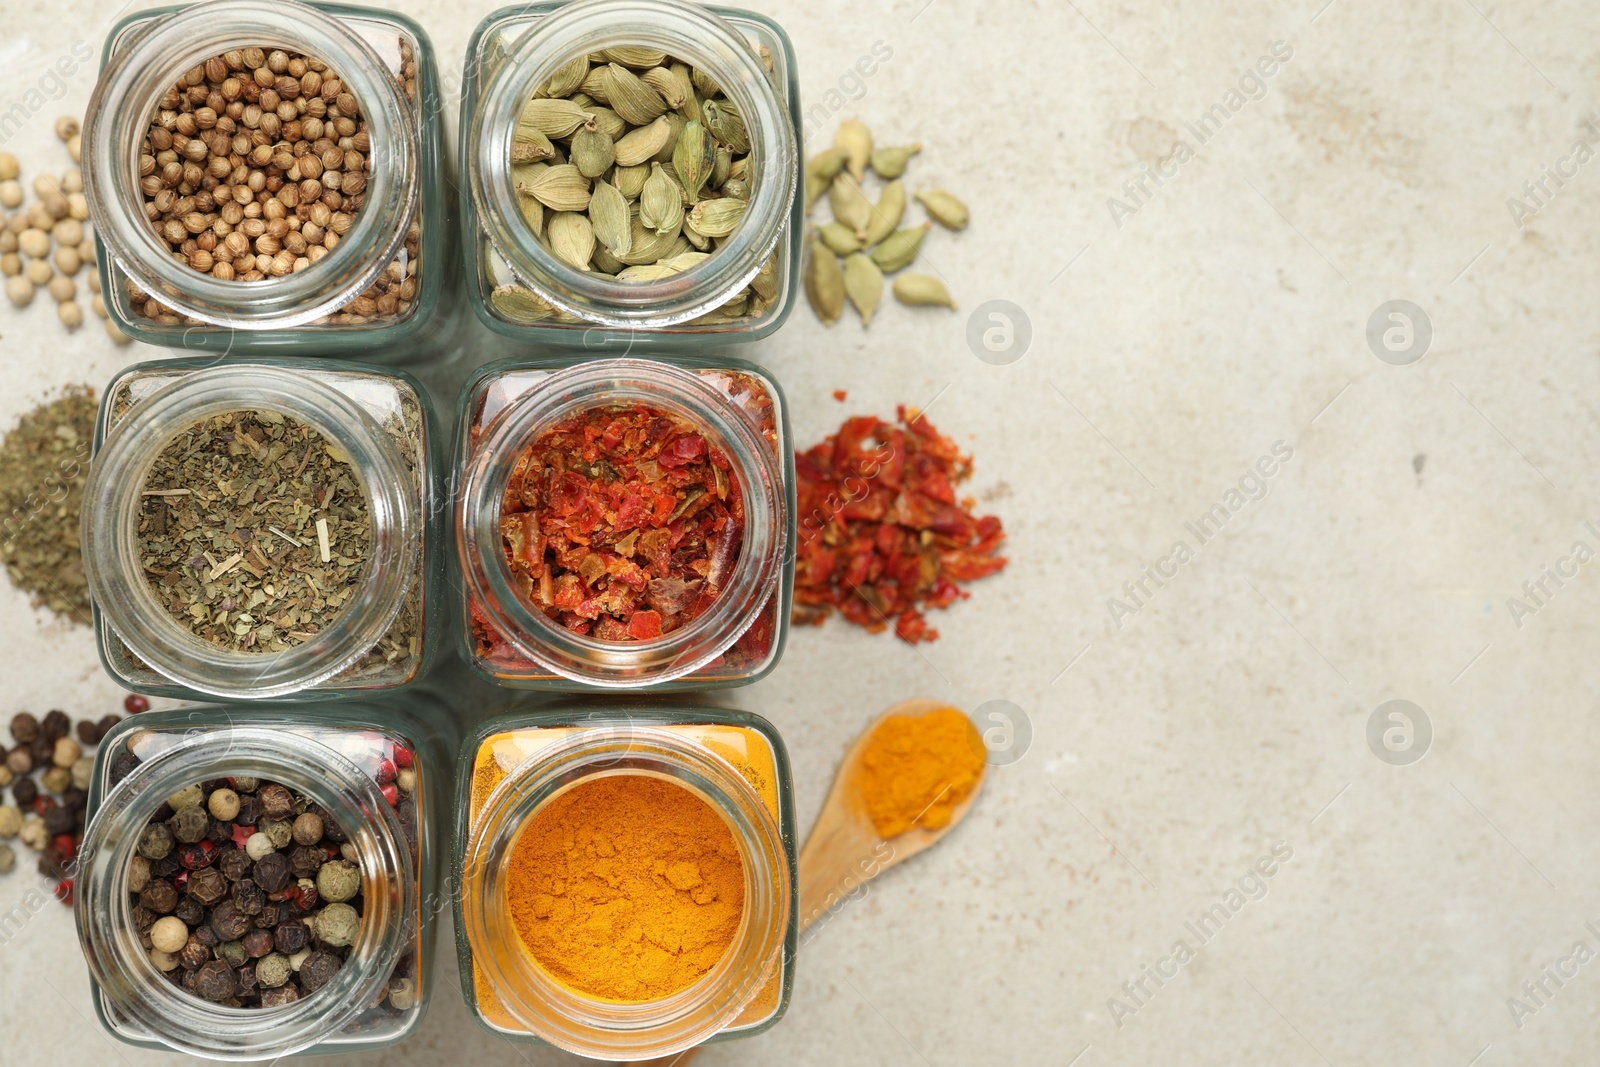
<point>159,896</point>
<point>287,993</point>
<point>42,749</point>
<point>248,897</point>
<point>24,728</point>
<point>194,857</point>
<point>248,986</point>
<point>74,799</point>
<point>104,726</point>
<point>194,955</point>
<point>24,791</point>
<point>189,825</point>
<point>166,866</point>
<point>305,861</point>
<point>257,943</point>
<point>216,981</point>
<point>57,820</point>
<point>249,810</point>
<point>291,936</point>
<point>271,915</point>
<point>234,864</point>
<point>123,766</point>
<point>208,886</point>
<point>207,937</point>
<point>143,918</point>
<point>271,872</point>
<point>318,970</point>
<point>232,953</point>
<point>190,910</point>
<point>219,833</point>
<point>85,731</point>
<point>228,922</point>
<point>276,801</point>
<point>55,726</point>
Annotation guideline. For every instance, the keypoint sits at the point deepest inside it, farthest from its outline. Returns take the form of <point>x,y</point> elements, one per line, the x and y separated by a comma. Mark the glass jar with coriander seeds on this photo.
<point>624,523</point>
<point>266,530</point>
<point>250,888</point>
<point>633,169</point>
<point>673,922</point>
<point>266,176</point>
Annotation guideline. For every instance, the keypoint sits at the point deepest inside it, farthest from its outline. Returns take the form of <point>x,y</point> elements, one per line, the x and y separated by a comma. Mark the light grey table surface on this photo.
<point>1184,734</point>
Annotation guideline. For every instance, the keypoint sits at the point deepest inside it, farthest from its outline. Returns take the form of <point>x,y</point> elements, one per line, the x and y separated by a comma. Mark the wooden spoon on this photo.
<point>844,851</point>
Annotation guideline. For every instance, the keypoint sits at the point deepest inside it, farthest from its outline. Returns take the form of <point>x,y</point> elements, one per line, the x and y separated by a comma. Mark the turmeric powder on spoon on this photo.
<point>916,769</point>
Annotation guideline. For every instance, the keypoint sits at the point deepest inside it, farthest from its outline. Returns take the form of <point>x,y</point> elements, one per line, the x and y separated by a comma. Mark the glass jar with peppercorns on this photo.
<point>267,176</point>
<point>252,887</point>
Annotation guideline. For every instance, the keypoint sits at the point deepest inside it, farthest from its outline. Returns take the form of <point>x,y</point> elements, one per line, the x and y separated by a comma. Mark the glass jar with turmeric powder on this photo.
<point>624,523</point>
<point>626,877</point>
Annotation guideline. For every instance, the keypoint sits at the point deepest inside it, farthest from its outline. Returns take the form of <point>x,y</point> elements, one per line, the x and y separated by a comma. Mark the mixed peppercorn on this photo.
<point>48,772</point>
<point>881,533</point>
<point>247,894</point>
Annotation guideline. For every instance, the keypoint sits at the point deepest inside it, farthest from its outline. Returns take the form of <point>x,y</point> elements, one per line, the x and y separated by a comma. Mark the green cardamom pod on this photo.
<point>722,118</point>
<point>522,175</point>
<point>631,98</point>
<point>522,305</point>
<point>638,146</point>
<point>628,56</point>
<point>891,163</point>
<point>684,260</point>
<point>532,214</point>
<point>604,261</point>
<point>922,290</point>
<point>561,188</point>
<point>718,218</point>
<point>660,204</point>
<point>740,168</point>
<point>648,246</point>
<point>886,216</point>
<point>609,215</point>
<point>944,209</point>
<point>609,122</point>
<point>856,140</point>
<point>596,85</point>
<point>863,284</point>
<point>592,150</point>
<point>676,124</point>
<point>571,238</point>
<point>665,82</point>
<point>630,180</point>
<point>737,188</point>
<point>824,282</point>
<point>646,272</point>
<point>582,101</point>
<point>695,237</point>
<point>721,168</point>
<point>821,169</point>
<point>565,81</point>
<point>840,239</point>
<point>850,205</point>
<point>553,118</point>
<point>702,81</point>
<point>690,108</point>
<point>693,158</point>
<point>528,145</point>
<point>900,248</point>
<point>765,283</point>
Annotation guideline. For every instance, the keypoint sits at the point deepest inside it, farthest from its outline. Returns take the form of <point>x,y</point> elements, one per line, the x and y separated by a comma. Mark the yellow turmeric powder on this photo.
<point>916,768</point>
<point>627,887</point>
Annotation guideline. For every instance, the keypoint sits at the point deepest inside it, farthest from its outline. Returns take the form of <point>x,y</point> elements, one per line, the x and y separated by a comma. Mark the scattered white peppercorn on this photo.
<point>56,779</point>
<point>38,272</point>
<point>33,833</point>
<point>83,772</point>
<point>35,244</point>
<point>10,820</point>
<point>402,994</point>
<point>114,332</point>
<point>19,291</point>
<point>9,167</point>
<point>10,264</point>
<point>70,314</point>
<point>11,193</point>
<point>75,147</point>
<point>66,752</point>
<point>61,290</point>
<point>66,127</point>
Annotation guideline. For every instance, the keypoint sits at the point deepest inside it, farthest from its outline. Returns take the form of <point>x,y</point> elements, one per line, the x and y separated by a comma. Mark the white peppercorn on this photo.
<point>169,934</point>
<point>223,805</point>
<point>9,167</point>
<point>10,265</point>
<point>6,776</point>
<point>38,271</point>
<point>56,779</point>
<point>72,181</point>
<point>66,752</point>
<point>299,957</point>
<point>83,772</point>
<point>78,207</point>
<point>66,127</point>
<point>70,314</point>
<point>10,820</point>
<point>138,874</point>
<point>114,332</point>
<point>406,780</point>
<point>35,244</point>
<point>75,147</point>
<point>8,240</point>
<point>19,291</point>
<point>402,994</point>
<point>33,833</point>
<point>164,961</point>
<point>67,261</point>
<point>188,797</point>
<point>10,193</point>
<point>8,859</point>
<point>68,231</point>
<point>259,845</point>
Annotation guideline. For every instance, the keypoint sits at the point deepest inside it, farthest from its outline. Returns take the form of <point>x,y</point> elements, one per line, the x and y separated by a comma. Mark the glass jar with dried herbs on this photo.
<point>695,940</point>
<point>266,176</point>
<point>633,167</point>
<point>624,523</point>
<point>264,530</point>
<point>249,889</point>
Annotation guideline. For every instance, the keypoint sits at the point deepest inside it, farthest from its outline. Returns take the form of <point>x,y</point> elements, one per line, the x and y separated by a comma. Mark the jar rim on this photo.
<point>112,499</point>
<point>103,912</point>
<point>588,1025</point>
<point>597,384</point>
<point>688,32</point>
<point>128,91</point>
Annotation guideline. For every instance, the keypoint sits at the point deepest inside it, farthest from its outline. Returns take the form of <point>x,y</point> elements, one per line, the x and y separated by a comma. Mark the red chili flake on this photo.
<point>63,891</point>
<point>66,845</point>
<point>881,534</point>
<point>42,804</point>
<point>241,834</point>
<point>840,395</point>
<point>402,756</point>
<point>194,857</point>
<point>621,523</point>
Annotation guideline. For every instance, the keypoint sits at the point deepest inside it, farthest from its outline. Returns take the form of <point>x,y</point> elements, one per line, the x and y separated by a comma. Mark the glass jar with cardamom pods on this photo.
<point>267,176</point>
<point>633,169</point>
<point>253,887</point>
<point>625,877</point>
<point>624,523</point>
<point>265,530</point>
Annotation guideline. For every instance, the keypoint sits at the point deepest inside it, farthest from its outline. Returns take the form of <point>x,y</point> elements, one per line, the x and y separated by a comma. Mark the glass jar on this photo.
<point>517,763</point>
<point>376,287</point>
<point>519,289</point>
<point>386,636</point>
<point>741,412</point>
<point>334,757</point>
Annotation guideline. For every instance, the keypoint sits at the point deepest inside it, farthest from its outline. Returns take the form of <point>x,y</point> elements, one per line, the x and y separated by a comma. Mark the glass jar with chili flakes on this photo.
<point>625,523</point>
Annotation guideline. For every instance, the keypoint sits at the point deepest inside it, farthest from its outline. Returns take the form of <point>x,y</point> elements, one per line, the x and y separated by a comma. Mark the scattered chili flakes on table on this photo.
<point>840,395</point>
<point>882,535</point>
<point>622,523</point>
